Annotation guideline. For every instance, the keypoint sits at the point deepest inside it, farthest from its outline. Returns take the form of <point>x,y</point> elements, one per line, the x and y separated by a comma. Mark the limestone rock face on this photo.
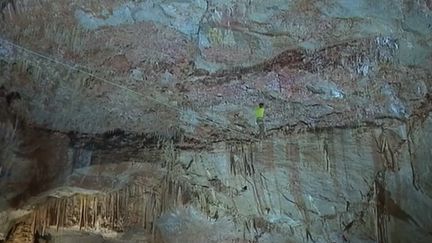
<point>367,184</point>
<point>313,62</point>
<point>133,121</point>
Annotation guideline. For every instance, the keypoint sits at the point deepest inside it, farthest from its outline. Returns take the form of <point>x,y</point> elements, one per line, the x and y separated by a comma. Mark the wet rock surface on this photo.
<point>133,121</point>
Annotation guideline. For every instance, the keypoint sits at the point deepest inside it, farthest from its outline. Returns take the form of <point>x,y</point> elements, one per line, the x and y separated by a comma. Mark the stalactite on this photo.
<point>62,212</point>
<point>380,201</point>
<point>246,154</point>
<point>114,210</point>
<point>58,204</point>
<point>92,214</point>
<point>45,220</point>
<point>179,196</point>
<point>163,196</point>
<point>111,211</point>
<point>252,158</point>
<point>34,223</point>
<point>81,213</point>
<point>154,213</point>
<point>85,212</point>
<point>246,168</point>
<point>135,204</point>
<point>145,213</point>
<point>232,162</point>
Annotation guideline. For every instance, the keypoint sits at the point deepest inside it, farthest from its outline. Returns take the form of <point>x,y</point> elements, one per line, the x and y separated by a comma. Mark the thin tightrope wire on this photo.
<point>206,119</point>
<point>118,85</point>
<point>87,73</point>
<point>276,149</point>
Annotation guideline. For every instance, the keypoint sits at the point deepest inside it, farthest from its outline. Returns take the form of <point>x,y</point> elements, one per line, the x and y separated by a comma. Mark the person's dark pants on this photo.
<point>260,122</point>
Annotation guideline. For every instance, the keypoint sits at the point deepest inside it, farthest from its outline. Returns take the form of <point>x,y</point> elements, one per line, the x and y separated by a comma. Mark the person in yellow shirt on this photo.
<point>259,115</point>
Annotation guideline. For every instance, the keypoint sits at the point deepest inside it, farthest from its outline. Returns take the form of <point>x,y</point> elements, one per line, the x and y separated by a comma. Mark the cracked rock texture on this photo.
<point>133,121</point>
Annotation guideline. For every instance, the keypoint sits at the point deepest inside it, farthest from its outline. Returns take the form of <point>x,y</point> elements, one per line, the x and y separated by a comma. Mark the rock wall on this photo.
<point>134,120</point>
<point>365,184</point>
<point>168,67</point>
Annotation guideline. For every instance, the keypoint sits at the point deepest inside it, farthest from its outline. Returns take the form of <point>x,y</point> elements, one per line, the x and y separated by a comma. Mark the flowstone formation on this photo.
<point>133,121</point>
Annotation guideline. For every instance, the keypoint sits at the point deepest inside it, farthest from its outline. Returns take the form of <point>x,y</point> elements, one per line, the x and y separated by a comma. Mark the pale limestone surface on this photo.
<point>328,184</point>
<point>346,85</point>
